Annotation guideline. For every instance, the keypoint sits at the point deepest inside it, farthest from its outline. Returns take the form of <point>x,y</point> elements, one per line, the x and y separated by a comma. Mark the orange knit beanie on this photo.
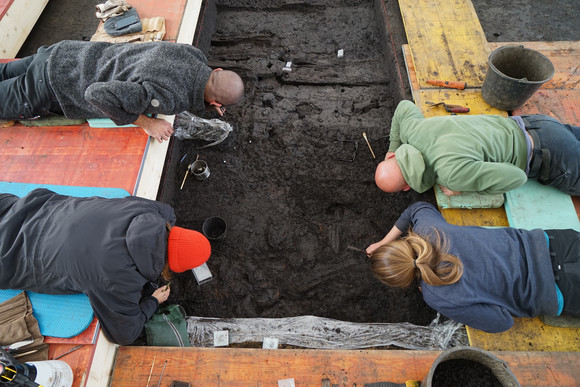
<point>187,249</point>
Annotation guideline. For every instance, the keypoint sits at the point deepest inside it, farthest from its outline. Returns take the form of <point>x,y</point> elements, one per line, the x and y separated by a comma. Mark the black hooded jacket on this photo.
<point>108,249</point>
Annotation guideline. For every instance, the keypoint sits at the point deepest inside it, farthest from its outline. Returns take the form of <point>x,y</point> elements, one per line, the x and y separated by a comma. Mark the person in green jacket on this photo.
<point>486,154</point>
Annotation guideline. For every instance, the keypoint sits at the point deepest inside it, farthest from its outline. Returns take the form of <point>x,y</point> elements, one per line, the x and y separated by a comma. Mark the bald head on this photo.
<point>389,177</point>
<point>225,87</point>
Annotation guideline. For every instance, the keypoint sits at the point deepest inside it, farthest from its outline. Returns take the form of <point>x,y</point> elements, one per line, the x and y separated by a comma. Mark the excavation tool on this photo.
<point>369,144</point>
<point>450,84</point>
<point>356,249</point>
<point>450,108</point>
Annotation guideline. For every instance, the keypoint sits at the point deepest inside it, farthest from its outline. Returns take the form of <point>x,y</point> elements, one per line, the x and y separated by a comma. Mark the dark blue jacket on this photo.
<point>507,271</point>
<point>108,249</point>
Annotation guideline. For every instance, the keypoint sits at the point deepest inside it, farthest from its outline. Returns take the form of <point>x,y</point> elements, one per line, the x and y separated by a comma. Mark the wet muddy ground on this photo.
<point>294,180</point>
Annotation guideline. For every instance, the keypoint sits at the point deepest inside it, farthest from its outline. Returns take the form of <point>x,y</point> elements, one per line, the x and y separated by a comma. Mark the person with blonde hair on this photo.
<point>479,276</point>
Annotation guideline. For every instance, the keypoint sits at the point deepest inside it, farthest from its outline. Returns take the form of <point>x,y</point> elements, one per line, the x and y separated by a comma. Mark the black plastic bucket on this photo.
<point>513,76</point>
<point>498,367</point>
<point>214,228</point>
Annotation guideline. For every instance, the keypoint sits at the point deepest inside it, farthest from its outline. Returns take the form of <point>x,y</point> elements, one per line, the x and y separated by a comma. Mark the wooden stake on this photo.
<point>151,372</point>
<point>368,143</point>
<point>185,177</point>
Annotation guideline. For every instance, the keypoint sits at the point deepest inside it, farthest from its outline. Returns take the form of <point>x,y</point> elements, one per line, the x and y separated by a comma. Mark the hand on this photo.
<point>447,192</point>
<point>220,110</point>
<point>162,294</point>
<point>371,249</point>
<point>157,128</point>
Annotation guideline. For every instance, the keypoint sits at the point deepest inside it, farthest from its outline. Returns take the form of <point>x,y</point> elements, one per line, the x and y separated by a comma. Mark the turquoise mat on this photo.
<point>105,123</point>
<point>59,315</point>
<point>534,205</point>
<point>468,200</point>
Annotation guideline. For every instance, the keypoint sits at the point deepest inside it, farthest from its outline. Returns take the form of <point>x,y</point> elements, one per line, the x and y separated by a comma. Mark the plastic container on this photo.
<point>498,367</point>
<point>513,76</point>
<point>214,228</point>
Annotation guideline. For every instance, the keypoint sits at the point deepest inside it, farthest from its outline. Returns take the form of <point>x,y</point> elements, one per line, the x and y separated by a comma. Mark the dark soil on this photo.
<point>294,180</point>
<point>463,373</point>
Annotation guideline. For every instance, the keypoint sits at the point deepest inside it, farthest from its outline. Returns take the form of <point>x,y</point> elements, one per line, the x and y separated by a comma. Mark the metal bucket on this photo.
<point>498,367</point>
<point>513,76</point>
<point>200,170</point>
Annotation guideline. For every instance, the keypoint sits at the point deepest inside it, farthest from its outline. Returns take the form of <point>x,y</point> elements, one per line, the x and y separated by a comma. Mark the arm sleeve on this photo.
<point>405,110</point>
<point>484,177</point>
<point>123,102</point>
<point>485,317</point>
<point>416,213</point>
<point>121,320</point>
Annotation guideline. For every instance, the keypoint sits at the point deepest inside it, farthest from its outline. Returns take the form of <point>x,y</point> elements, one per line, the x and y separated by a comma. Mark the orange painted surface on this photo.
<point>259,367</point>
<point>4,6</point>
<point>171,10</point>
<point>72,155</point>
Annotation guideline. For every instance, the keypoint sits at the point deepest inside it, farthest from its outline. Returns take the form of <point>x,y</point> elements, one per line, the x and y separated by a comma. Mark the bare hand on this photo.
<point>162,294</point>
<point>371,249</point>
<point>157,128</point>
<point>447,192</point>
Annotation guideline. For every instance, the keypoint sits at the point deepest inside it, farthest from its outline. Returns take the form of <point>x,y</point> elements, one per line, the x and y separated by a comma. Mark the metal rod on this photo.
<point>162,371</point>
<point>72,350</point>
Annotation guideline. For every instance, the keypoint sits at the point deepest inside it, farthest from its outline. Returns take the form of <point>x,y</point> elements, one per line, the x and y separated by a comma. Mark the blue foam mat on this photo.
<point>59,315</point>
<point>534,205</point>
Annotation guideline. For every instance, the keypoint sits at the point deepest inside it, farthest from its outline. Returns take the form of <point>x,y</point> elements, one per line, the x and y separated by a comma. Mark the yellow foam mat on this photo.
<point>446,41</point>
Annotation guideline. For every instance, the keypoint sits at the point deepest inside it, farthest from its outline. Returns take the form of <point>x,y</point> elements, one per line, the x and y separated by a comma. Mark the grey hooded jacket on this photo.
<point>122,80</point>
<point>108,249</point>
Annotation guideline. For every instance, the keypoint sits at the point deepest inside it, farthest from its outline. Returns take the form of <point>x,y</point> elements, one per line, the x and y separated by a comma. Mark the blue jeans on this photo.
<point>24,89</point>
<point>562,141</point>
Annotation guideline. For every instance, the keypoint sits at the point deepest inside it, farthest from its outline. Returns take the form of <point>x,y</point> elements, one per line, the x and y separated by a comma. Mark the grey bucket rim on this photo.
<point>486,358</point>
<point>510,46</point>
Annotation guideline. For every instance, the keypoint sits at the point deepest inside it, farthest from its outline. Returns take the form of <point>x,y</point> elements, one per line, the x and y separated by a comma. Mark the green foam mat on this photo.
<point>468,200</point>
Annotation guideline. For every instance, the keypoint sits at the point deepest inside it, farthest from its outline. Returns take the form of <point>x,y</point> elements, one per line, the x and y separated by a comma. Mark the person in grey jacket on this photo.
<point>125,82</point>
<point>115,251</point>
<point>478,276</point>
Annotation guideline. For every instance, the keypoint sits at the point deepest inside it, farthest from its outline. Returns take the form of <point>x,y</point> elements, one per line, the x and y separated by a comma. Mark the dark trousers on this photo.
<point>556,155</point>
<point>565,256</point>
<point>25,92</point>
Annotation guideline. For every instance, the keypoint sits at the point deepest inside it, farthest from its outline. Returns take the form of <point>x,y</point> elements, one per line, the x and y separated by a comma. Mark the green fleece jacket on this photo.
<point>485,154</point>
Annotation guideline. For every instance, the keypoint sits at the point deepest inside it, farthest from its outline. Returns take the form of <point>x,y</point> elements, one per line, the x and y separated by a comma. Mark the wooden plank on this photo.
<point>72,155</point>
<point>257,367</point>
<point>16,23</point>
<point>446,41</point>
<point>470,98</point>
<point>527,334</point>
<point>486,217</point>
<point>4,6</point>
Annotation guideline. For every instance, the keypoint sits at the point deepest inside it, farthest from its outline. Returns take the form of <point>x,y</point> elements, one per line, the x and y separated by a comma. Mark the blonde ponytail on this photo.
<point>407,259</point>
